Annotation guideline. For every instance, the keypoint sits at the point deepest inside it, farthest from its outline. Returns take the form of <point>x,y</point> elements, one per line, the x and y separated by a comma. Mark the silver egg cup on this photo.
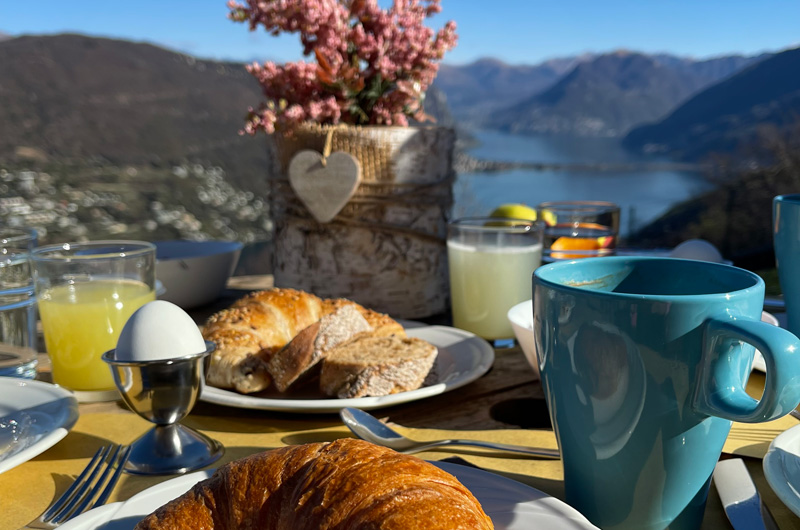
<point>164,392</point>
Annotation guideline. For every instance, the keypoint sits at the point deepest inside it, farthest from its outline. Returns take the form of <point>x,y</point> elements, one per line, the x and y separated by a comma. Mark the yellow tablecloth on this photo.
<point>26,490</point>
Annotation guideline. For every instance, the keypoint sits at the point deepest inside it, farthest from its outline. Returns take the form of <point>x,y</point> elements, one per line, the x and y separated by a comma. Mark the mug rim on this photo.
<point>125,249</point>
<point>788,197</point>
<point>757,281</point>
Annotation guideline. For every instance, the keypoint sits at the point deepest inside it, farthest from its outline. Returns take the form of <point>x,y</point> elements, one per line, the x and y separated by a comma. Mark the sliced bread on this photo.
<point>310,345</point>
<point>376,366</point>
<point>382,325</point>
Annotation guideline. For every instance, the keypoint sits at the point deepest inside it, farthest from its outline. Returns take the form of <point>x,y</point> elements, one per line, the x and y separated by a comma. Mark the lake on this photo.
<point>643,194</point>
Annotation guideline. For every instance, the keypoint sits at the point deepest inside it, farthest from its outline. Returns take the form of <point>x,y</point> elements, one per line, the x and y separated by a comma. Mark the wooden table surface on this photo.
<point>507,398</point>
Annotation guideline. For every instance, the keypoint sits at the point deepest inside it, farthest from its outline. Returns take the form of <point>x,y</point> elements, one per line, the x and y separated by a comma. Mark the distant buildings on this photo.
<point>188,202</point>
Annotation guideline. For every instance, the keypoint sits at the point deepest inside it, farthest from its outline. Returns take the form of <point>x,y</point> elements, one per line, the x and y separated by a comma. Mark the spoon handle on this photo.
<point>533,451</point>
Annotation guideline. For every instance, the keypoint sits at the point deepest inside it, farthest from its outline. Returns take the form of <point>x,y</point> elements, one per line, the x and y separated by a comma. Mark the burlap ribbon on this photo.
<point>379,188</point>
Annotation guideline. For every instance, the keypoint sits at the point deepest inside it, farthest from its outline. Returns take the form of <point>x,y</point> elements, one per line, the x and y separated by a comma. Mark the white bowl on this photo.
<point>195,272</point>
<point>521,318</point>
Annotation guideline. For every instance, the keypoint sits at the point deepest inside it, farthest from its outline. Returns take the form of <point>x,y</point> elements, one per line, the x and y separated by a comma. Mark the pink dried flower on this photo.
<point>372,65</point>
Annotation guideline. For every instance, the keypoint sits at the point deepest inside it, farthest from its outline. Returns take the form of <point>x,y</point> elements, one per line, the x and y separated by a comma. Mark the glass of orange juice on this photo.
<point>579,229</point>
<point>86,292</point>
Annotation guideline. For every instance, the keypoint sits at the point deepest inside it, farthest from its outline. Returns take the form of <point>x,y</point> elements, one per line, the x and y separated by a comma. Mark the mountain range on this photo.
<point>589,95</point>
<point>729,114</point>
<point>74,97</point>
<point>685,108</point>
<point>476,90</point>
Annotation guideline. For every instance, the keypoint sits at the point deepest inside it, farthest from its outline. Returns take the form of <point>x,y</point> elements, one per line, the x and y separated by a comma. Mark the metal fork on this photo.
<point>108,463</point>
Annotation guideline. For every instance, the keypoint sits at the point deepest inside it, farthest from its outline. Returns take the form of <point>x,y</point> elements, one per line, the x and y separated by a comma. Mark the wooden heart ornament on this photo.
<point>324,185</point>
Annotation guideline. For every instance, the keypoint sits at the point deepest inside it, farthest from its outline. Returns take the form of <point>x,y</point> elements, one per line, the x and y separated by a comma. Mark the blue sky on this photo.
<point>517,31</point>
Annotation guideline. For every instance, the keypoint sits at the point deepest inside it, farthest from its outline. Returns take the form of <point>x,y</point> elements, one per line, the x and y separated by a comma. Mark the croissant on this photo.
<point>343,485</point>
<point>254,328</point>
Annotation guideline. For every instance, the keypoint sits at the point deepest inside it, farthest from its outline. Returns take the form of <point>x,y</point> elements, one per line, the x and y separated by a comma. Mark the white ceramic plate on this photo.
<point>463,358</point>
<point>758,359</point>
<point>510,504</point>
<point>782,467</point>
<point>34,416</point>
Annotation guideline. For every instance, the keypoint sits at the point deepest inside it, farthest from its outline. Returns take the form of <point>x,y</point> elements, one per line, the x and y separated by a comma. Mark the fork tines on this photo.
<point>90,489</point>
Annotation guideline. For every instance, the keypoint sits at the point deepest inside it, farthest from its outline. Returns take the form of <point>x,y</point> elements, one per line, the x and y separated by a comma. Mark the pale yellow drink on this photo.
<point>486,281</point>
<point>82,321</point>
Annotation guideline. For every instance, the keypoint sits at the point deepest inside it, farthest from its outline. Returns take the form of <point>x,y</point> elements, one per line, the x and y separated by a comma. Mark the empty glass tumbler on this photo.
<point>18,335</point>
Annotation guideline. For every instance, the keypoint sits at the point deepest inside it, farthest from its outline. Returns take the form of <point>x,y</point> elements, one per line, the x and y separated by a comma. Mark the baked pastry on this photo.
<point>343,485</point>
<point>377,366</point>
<point>257,326</point>
<point>251,330</point>
<point>382,325</point>
<point>311,345</point>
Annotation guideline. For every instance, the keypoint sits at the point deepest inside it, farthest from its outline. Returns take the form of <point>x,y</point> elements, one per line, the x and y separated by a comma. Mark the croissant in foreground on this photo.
<point>343,485</point>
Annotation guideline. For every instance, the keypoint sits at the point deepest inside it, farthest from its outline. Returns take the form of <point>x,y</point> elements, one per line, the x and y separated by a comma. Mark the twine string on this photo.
<point>326,151</point>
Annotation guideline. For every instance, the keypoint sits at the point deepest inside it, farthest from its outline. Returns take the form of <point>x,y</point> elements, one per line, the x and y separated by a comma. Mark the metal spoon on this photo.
<point>371,429</point>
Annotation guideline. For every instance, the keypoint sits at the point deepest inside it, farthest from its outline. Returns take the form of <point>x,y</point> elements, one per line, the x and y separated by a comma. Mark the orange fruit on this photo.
<point>586,244</point>
<point>573,243</point>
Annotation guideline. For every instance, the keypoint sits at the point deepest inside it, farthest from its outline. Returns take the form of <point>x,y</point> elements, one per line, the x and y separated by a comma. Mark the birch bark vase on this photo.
<point>386,248</point>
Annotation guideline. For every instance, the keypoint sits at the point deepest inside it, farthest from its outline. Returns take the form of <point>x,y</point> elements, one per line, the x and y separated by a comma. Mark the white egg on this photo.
<point>697,249</point>
<point>156,331</point>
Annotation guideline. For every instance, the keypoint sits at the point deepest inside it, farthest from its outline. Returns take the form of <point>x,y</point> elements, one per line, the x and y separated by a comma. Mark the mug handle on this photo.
<point>721,390</point>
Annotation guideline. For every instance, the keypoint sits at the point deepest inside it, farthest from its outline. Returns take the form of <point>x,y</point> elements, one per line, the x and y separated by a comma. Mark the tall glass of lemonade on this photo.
<point>86,292</point>
<point>491,264</point>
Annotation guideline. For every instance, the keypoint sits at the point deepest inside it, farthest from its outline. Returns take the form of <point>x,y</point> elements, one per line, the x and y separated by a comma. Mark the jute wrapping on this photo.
<point>386,248</point>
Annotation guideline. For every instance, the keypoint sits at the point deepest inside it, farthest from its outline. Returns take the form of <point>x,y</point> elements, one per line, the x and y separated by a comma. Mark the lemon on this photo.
<point>549,218</point>
<point>514,211</point>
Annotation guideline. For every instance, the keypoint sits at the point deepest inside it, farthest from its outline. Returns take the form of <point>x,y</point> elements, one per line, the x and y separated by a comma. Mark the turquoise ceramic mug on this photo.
<point>644,363</point>
<point>786,237</point>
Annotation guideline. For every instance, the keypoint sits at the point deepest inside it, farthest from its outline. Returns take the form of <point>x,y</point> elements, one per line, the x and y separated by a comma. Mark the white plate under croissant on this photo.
<point>463,358</point>
<point>511,505</point>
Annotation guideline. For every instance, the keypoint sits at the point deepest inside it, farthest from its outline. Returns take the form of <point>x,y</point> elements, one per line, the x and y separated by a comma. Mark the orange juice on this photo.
<point>82,321</point>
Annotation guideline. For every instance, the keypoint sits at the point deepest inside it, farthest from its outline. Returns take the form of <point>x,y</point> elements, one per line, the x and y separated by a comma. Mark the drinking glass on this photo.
<point>18,238</point>
<point>86,293</point>
<point>579,229</point>
<point>491,265</point>
<point>18,344</point>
